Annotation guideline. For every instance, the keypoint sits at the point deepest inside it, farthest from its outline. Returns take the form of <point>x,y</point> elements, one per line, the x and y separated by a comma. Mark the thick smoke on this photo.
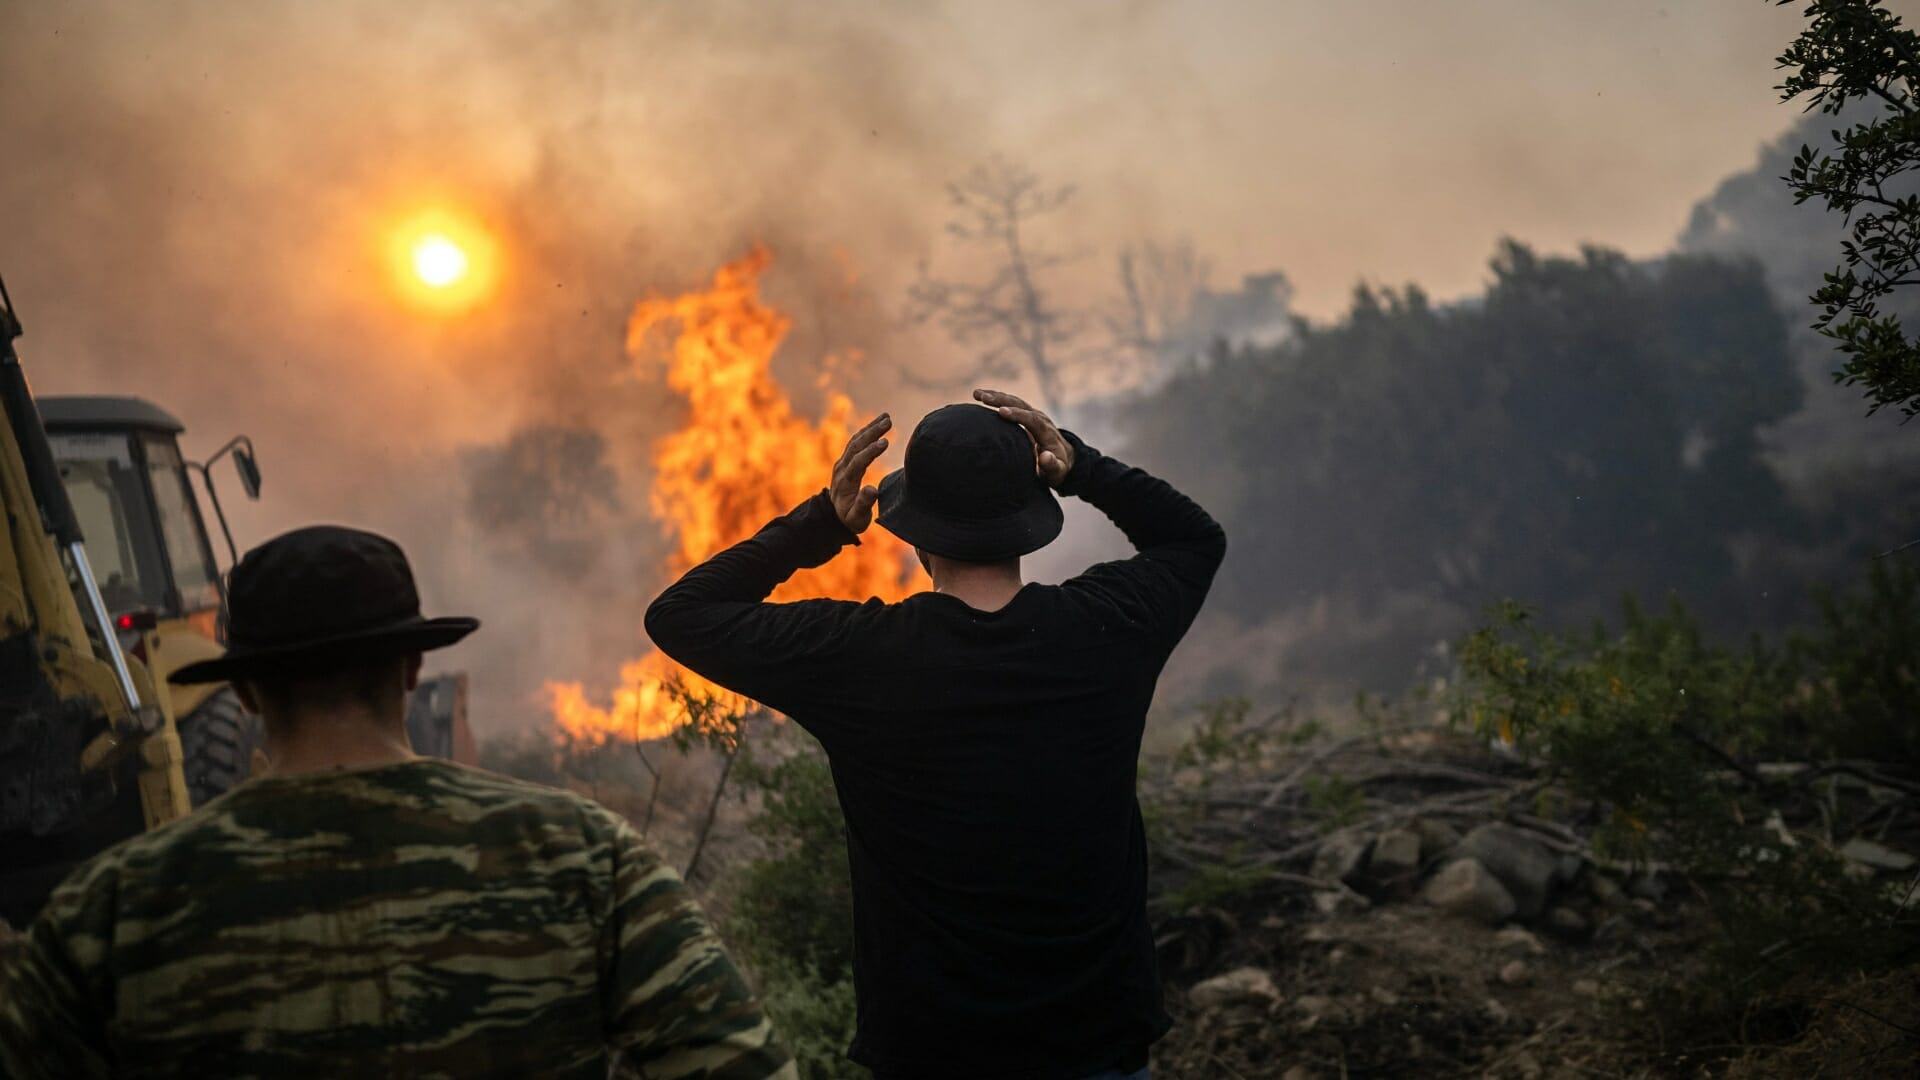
<point>196,197</point>
<point>1753,214</point>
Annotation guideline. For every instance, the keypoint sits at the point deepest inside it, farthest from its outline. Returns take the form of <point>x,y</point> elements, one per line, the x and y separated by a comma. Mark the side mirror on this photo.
<point>249,470</point>
<point>241,448</point>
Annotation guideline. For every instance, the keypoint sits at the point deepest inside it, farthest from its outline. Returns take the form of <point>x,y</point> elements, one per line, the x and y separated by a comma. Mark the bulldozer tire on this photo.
<point>217,741</point>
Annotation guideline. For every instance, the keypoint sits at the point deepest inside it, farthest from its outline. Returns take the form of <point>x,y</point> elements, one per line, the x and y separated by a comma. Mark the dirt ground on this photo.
<point>1404,990</point>
<point>1401,990</point>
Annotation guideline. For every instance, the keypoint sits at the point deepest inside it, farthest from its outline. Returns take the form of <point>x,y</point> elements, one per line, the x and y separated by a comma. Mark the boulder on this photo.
<point>1515,973</point>
<point>1341,857</point>
<point>1604,889</point>
<point>1247,985</point>
<point>1527,867</point>
<point>1520,939</point>
<point>1568,868</point>
<point>1338,902</point>
<point>1878,856</point>
<point>1437,839</point>
<point>1317,1007</point>
<point>1395,858</point>
<point>1568,924</point>
<point>1464,887</point>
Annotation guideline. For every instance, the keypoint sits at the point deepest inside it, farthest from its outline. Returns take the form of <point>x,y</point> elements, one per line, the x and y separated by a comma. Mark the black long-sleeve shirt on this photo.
<point>985,763</point>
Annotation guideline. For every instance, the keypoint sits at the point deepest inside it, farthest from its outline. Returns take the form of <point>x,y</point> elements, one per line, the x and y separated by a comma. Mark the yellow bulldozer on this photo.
<point>131,491</point>
<point>108,583</point>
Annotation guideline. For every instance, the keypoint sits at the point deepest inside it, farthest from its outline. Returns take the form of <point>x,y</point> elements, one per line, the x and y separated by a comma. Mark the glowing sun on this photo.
<point>439,262</point>
<point>444,260</point>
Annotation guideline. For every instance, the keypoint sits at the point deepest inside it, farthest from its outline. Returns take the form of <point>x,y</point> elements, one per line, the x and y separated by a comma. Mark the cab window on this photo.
<point>187,549</point>
<point>105,488</point>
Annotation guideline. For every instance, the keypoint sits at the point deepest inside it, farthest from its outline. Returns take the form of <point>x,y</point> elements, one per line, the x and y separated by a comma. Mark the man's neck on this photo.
<point>982,586</point>
<point>325,743</point>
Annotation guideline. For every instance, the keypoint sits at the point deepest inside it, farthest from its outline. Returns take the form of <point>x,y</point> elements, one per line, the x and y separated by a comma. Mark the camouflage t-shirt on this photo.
<point>417,919</point>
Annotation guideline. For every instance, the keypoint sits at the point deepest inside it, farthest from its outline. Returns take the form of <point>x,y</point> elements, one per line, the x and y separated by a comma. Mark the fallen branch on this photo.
<point>1288,781</point>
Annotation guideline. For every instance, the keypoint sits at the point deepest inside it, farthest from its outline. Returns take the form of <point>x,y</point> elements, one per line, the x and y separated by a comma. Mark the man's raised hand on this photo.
<point>1052,454</point>
<point>852,497</point>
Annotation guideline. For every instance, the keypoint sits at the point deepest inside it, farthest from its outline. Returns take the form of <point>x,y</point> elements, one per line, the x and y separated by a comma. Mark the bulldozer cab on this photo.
<point>120,462</point>
<point>133,493</point>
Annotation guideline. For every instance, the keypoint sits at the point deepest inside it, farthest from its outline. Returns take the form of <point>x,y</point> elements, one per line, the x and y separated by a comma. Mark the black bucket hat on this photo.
<point>321,596</point>
<point>969,490</point>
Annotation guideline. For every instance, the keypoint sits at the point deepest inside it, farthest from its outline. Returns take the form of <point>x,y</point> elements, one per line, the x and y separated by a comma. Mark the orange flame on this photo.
<point>743,458</point>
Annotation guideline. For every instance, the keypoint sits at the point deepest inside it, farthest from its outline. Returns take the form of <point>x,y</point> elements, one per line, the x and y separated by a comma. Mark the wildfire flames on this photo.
<point>742,458</point>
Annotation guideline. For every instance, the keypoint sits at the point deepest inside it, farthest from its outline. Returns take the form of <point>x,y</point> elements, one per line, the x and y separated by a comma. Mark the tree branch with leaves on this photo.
<point>1857,51</point>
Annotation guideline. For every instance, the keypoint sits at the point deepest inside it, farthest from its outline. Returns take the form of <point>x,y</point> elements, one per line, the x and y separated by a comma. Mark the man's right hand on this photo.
<point>851,495</point>
<point>1052,454</point>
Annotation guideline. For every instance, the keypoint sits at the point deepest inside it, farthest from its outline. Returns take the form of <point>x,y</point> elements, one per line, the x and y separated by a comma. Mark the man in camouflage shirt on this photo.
<point>359,911</point>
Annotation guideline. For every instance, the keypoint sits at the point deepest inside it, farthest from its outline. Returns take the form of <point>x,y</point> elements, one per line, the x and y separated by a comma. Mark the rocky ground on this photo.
<point>1397,905</point>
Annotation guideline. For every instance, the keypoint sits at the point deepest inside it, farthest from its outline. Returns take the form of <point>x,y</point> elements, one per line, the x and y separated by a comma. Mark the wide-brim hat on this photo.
<point>969,490</point>
<point>322,597</point>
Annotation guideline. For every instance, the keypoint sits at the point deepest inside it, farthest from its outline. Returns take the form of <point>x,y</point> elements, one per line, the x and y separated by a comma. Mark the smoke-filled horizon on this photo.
<point>199,197</point>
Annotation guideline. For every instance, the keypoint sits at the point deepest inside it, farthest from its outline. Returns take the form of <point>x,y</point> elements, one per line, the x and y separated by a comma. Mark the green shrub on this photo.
<point>1220,734</point>
<point>792,911</point>
<point>1338,800</point>
<point>814,1016</point>
<point>1634,720</point>
<point>1214,884</point>
<point>796,904</point>
<point>1665,732</point>
<point>1865,666</point>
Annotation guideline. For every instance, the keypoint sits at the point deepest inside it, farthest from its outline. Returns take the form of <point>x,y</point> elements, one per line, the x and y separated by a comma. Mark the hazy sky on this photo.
<point>197,198</point>
<point>1391,140</point>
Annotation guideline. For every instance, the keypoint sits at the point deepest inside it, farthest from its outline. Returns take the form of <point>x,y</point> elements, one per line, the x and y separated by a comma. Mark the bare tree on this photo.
<point>1159,287</point>
<point>1007,317</point>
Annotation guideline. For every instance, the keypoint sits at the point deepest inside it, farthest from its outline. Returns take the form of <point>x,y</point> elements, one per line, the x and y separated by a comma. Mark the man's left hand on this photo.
<point>852,497</point>
<point>1052,454</point>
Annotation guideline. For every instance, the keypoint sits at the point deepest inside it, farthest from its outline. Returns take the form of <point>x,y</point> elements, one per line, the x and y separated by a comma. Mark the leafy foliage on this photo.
<point>1214,883</point>
<point>798,902</point>
<point>1857,51</point>
<point>1867,656</point>
<point>792,911</point>
<point>1666,732</point>
<point>1339,800</point>
<point>814,1016</point>
<point>1588,429</point>
<point>1631,720</point>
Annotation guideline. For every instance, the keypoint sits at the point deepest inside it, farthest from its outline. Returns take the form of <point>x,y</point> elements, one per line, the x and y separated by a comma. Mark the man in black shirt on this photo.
<point>983,736</point>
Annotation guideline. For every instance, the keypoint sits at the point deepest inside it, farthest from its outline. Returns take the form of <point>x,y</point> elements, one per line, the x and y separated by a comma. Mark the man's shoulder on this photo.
<point>445,789</point>
<point>428,795</point>
<point>490,792</point>
<point>417,813</point>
